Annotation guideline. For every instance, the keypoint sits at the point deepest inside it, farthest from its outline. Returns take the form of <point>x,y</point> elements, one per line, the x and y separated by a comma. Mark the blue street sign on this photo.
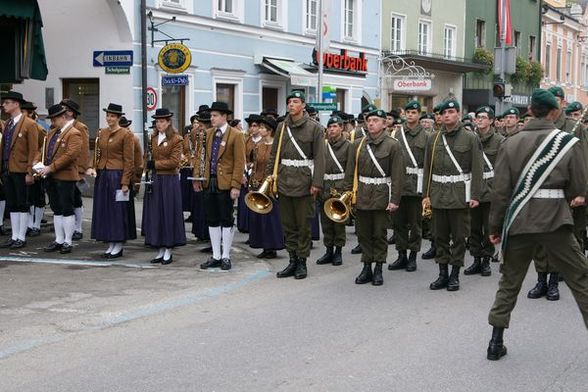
<point>175,80</point>
<point>106,58</point>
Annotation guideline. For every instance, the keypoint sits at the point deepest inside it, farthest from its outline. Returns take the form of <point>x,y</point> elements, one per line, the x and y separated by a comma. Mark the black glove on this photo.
<point>151,165</point>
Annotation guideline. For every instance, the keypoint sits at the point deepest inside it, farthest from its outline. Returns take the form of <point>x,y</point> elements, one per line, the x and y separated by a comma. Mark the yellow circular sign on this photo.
<point>174,58</point>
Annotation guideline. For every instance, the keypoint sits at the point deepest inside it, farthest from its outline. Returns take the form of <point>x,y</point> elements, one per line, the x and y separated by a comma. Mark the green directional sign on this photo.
<point>323,106</point>
<point>117,70</point>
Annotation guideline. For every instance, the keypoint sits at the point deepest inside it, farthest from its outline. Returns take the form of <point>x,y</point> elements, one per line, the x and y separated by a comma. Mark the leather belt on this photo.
<point>452,179</point>
<point>375,180</point>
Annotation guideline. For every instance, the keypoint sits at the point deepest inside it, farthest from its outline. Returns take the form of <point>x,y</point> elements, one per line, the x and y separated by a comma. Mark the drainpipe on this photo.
<point>143,13</point>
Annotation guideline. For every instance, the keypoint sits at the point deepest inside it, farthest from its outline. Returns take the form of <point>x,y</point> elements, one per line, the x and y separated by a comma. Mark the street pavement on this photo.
<point>77,323</point>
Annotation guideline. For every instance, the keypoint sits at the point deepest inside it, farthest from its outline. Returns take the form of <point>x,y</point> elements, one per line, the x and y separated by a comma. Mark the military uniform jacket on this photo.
<point>65,155</point>
<point>357,134</point>
<point>567,124</point>
<point>343,151</point>
<point>538,215</point>
<point>466,148</point>
<point>387,152</point>
<point>116,150</point>
<point>84,161</point>
<point>417,142</point>
<point>167,154</point>
<point>231,159</point>
<point>24,146</point>
<point>490,145</point>
<point>296,181</point>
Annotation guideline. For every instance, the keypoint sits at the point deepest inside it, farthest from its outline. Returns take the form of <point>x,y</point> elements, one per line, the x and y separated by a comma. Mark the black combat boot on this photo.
<point>475,268</point>
<point>400,262</point>
<point>356,250</point>
<point>540,289</point>
<point>327,258</point>
<point>411,265</point>
<point>377,278</point>
<point>290,268</point>
<point>300,272</point>
<point>392,239</point>
<point>496,348</point>
<point>553,287</point>
<point>366,274</point>
<point>485,266</point>
<point>431,253</point>
<point>443,278</point>
<point>337,258</point>
<point>453,284</point>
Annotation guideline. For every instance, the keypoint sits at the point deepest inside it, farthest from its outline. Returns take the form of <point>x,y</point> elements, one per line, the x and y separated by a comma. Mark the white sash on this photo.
<point>382,172</point>
<point>414,162</point>
<point>334,157</point>
<point>468,183</point>
<point>302,154</point>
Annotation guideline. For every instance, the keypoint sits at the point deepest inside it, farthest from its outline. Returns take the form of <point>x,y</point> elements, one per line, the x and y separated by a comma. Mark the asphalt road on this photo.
<point>77,327</point>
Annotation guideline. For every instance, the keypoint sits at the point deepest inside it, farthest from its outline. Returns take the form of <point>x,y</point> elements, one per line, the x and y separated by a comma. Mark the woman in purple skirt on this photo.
<point>163,222</point>
<point>113,167</point>
<point>265,230</point>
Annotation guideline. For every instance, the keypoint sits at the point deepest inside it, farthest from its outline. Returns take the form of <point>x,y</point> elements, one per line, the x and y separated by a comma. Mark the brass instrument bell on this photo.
<point>338,209</point>
<point>260,201</point>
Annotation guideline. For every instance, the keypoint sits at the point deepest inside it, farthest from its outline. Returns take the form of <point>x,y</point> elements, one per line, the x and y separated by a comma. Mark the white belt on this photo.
<point>334,177</point>
<point>549,194</point>
<point>452,179</point>
<point>298,162</point>
<point>414,170</point>
<point>488,174</point>
<point>375,180</point>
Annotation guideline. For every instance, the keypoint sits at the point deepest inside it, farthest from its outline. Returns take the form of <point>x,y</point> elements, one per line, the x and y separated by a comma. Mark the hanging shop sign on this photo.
<point>174,58</point>
<point>343,62</point>
<point>412,84</point>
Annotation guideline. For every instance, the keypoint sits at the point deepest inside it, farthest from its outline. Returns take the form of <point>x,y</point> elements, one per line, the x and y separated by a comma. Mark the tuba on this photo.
<point>260,201</point>
<point>338,209</point>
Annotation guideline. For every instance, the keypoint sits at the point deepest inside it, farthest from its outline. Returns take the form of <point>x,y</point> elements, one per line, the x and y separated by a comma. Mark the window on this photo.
<point>449,44</point>
<point>548,60</point>
<point>311,16</point>
<point>480,33</point>
<point>225,6</point>
<point>517,42</point>
<point>269,98</point>
<point>271,11</point>
<point>349,19</point>
<point>532,43</point>
<point>424,37</point>
<point>226,93</point>
<point>86,92</point>
<point>558,65</point>
<point>182,5</point>
<point>340,100</point>
<point>569,66</point>
<point>228,9</point>
<point>397,30</point>
<point>174,98</point>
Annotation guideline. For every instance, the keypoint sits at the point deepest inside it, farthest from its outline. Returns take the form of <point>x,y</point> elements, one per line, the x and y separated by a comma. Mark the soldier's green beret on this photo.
<point>574,107</point>
<point>436,108</point>
<point>427,116</point>
<point>369,108</point>
<point>449,104</point>
<point>413,105</point>
<point>557,92</point>
<point>465,118</point>
<point>512,110</point>
<point>543,97</point>
<point>296,94</point>
<point>335,120</point>
<point>378,112</point>
<point>486,109</point>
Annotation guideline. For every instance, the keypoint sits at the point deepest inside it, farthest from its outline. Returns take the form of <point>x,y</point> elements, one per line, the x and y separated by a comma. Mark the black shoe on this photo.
<point>475,268</point>
<point>392,239</point>
<point>327,258</point>
<point>168,261</point>
<point>225,264</point>
<point>115,255</point>
<point>485,269</point>
<point>290,268</point>
<point>496,348</point>
<point>431,253</point>
<point>156,260</point>
<point>553,287</point>
<point>53,247</point>
<point>411,265</point>
<point>18,244</point>
<point>540,289</point>
<point>337,258</point>
<point>453,283</point>
<point>34,232</point>
<point>7,244</point>
<point>301,272</point>
<point>77,236</point>
<point>443,278</point>
<point>271,254</point>
<point>206,250</point>
<point>357,250</point>
<point>211,263</point>
<point>65,248</point>
<point>400,262</point>
<point>262,254</point>
<point>366,275</point>
<point>377,278</point>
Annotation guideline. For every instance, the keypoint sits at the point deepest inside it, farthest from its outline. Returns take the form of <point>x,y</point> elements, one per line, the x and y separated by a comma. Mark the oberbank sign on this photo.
<point>412,84</point>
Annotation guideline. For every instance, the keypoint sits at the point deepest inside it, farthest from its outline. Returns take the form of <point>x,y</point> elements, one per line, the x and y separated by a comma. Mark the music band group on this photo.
<point>414,173</point>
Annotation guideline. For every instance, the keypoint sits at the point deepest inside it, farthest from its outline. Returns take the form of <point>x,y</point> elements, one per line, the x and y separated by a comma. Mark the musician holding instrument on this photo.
<point>337,162</point>
<point>186,167</point>
<point>252,140</point>
<point>297,163</point>
<point>113,167</point>
<point>58,163</point>
<point>198,136</point>
<point>163,221</point>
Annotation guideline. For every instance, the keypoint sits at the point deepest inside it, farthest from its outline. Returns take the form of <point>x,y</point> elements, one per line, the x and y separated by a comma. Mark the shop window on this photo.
<point>86,93</point>
<point>174,99</point>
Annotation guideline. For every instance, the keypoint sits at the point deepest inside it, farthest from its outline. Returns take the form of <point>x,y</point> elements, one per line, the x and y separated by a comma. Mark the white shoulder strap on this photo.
<point>302,154</point>
<point>488,163</point>
<point>375,161</point>
<point>410,154</point>
<point>334,157</point>
<point>451,155</point>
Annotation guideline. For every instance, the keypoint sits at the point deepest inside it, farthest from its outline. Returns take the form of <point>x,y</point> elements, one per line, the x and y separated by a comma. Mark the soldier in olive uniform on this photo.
<point>453,172</point>
<point>510,119</point>
<point>574,111</point>
<point>337,163</point>
<point>408,219</point>
<point>480,246</point>
<point>536,211</point>
<point>301,167</point>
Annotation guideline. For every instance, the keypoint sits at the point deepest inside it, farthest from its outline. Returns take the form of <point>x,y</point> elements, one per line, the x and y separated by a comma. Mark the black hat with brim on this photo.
<point>124,122</point>
<point>56,110</point>
<point>269,112</point>
<point>26,105</point>
<point>222,107</point>
<point>70,104</point>
<point>114,108</point>
<point>162,113</point>
<point>253,118</point>
<point>269,121</point>
<point>13,95</point>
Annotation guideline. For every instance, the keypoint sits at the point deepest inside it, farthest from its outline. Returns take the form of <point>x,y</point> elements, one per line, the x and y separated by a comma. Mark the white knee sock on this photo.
<point>110,247</point>
<point>79,215</point>
<point>227,241</point>
<point>31,217</point>
<point>23,226</point>
<point>2,209</point>
<point>167,254</point>
<point>39,212</point>
<point>69,223</point>
<point>215,241</point>
<point>117,248</point>
<point>160,253</point>
<point>15,224</point>
<point>58,225</point>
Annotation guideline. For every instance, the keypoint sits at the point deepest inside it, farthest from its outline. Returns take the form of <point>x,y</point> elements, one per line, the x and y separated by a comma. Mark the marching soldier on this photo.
<point>510,119</point>
<point>17,151</point>
<point>407,221</point>
<point>574,110</point>
<point>377,182</point>
<point>453,175</point>
<point>337,163</point>
<point>480,246</point>
<point>536,211</point>
<point>299,153</point>
<point>427,121</point>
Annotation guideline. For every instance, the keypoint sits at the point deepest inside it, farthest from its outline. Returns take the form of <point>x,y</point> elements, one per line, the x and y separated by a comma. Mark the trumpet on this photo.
<point>147,176</point>
<point>338,209</point>
<point>260,201</point>
<point>186,161</point>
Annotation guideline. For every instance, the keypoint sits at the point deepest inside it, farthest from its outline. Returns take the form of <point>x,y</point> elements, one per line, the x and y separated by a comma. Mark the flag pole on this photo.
<point>320,53</point>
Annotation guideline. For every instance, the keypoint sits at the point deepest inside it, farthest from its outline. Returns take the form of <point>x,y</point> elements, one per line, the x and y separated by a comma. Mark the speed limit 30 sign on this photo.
<point>151,95</point>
